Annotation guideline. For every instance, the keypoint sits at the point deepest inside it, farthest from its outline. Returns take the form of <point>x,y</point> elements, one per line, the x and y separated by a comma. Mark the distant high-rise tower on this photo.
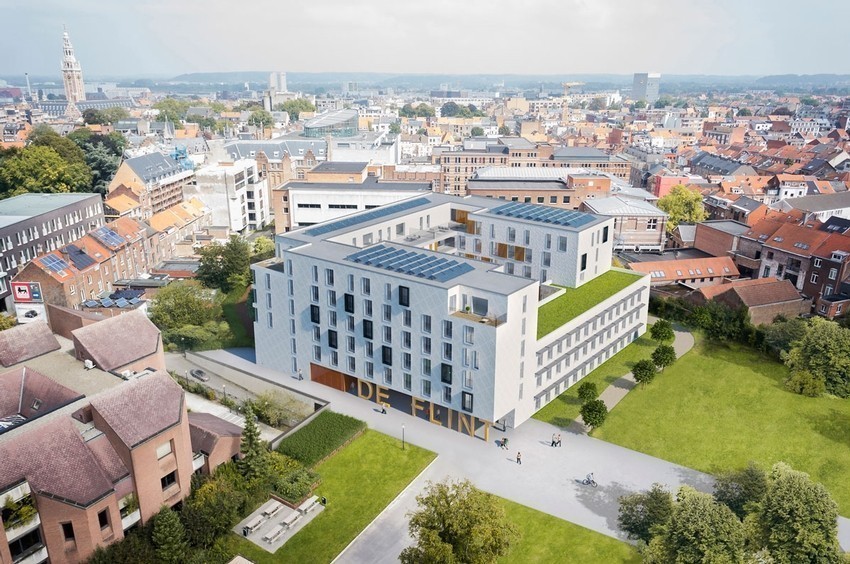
<point>645,87</point>
<point>277,81</point>
<point>72,76</point>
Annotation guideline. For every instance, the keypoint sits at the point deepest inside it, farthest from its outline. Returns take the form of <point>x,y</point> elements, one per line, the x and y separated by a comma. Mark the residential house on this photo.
<point>144,351</point>
<point>691,273</point>
<point>236,194</point>
<point>155,179</point>
<point>638,225</point>
<point>763,298</point>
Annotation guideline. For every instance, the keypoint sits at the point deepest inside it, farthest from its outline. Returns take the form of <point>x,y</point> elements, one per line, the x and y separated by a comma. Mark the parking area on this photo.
<point>275,522</point>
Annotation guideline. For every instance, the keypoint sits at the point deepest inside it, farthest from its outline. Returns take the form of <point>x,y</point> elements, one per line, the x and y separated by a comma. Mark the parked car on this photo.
<point>31,313</point>
<point>199,374</point>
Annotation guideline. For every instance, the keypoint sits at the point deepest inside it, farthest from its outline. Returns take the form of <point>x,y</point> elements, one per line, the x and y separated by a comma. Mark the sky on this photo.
<point>171,37</point>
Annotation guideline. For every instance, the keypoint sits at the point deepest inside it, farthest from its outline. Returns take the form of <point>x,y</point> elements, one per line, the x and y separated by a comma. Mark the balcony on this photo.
<point>199,459</point>
<point>35,555</point>
<point>15,531</point>
<point>131,519</point>
<point>489,320</point>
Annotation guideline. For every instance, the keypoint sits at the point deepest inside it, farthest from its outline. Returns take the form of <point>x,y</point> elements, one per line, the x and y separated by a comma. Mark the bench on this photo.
<point>274,534</point>
<point>308,505</point>
<point>291,519</point>
<point>254,523</point>
<point>272,508</point>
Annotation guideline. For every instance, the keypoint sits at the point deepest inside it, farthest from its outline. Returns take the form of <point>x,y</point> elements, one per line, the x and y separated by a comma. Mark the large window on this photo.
<point>163,450</point>
<point>446,373</point>
<point>447,329</point>
<point>387,355</point>
<point>25,544</point>
<point>332,339</point>
<point>314,313</point>
<point>426,323</point>
<point>168,480</point>
<point>367,329</point>
<point>103,518</point>
<point>404,296</point>
<point>584,262</point>
<point>466,401</point>
<point>349,303</point>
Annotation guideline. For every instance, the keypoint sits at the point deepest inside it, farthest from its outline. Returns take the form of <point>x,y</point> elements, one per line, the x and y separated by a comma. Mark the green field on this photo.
<point>719,407</point>
<point>576,301</point>
<point>359,482</point>
<point>564,409</point>
<point>548,539</point>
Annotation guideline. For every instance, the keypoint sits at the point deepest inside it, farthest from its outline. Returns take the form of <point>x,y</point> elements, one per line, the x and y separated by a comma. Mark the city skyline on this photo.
<point>429,38</point>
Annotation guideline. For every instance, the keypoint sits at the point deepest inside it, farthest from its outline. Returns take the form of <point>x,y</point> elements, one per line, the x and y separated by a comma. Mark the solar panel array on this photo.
<point>544,214</point>
<point>54,263</point>
<point>109,237</point>
<point>77,256</point>
<point>376,213</point>
<point>403,261</point>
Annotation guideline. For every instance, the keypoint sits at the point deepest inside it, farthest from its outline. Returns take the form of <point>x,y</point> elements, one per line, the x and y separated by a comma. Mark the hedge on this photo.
<point>321,437</point>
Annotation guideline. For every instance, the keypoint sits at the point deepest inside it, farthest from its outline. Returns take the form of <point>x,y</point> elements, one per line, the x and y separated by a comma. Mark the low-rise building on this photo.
<point>155,179</point>
<point>763,298</point>
<point>691,272</point>
<point>638,225</point>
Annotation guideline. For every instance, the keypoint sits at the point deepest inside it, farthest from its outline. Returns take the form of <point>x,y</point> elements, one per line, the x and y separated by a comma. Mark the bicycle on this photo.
<point>589,481</point>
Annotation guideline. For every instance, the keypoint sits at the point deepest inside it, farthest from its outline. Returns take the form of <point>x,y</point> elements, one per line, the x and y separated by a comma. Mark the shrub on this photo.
<point>587,391</point>
<point>296,485</point>
<point>322,436</point>
<point>805,383</point>
<point>594,413</point>
<point>277,409</point>
<point>644,371</point>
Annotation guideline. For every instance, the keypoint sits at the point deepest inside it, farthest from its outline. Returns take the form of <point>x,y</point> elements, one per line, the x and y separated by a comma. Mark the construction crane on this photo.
<point>568,85</point>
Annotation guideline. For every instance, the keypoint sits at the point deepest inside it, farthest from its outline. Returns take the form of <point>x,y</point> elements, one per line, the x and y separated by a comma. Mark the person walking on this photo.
<point>519,458</point>
<point>384,408</point>
<point>558,440</point>
<point>554,439</point>
<point>505,443</point>
<point>300,376</point>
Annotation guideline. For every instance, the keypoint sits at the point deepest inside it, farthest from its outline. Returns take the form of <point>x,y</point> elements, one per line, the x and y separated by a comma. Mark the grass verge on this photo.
<point>720,406</point>
<point>234,307</point>
<point>359,482</point>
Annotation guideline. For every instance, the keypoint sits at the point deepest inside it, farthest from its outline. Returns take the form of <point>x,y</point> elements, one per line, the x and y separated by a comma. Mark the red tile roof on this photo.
<point>687,269</point>
<point>760,291</point>
<point>97,341</point>
<point>26,341</point>
<point>796,239</point>
<point>206,429</point>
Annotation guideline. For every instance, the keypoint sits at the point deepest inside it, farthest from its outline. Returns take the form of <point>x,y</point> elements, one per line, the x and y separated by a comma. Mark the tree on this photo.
<point>44,136</point>
<point>111,115</point>
<point>641,514</point>
<point>781,334</point>
<point>260,118</point>
<point>504,130</point>
<point>661,331</point>
<point>395,128</point>
<point>782,111</point>
<point>476,131</point>
<point>825,351</point>
<point>7,322</point>
<point>741,489</point>
<point>183,303</point>
<point>210,512</point>
<point>449,109</point>
<point>41,169</point>
<point>788,162</point>
<point>809,101</point>
<point>92,116</point>
<point>597,104</point>
<point>172,110</point>
<point>295,107</point>
<point>640,105</point>
<point>719,321</point>
<point>796,519</point>
<point>594,413</point>
<point>263,248</point>
<point>255,456</point>
<point>682,206</point>
<point>587,391</point>
<point>663,356</point>
<point>103,165</point>
<point>744,112</point>
<point>423,110</point>
<point>169,537</point>
<point>699,530</point>
<point>225,266</point>
<point>663,102</point>
<point>805,383</point>
<point>644,371</point>
<point>456,522</point>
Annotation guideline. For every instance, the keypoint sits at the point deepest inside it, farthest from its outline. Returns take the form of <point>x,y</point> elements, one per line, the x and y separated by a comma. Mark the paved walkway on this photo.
<point>549,479</point>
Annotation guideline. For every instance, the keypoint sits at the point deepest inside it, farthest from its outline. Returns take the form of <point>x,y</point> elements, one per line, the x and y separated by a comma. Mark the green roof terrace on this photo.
<point>575,301</point>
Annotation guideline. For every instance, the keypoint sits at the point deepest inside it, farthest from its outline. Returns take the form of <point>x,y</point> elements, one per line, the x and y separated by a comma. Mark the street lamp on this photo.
<point>402,437</point>
<point>224,390</point>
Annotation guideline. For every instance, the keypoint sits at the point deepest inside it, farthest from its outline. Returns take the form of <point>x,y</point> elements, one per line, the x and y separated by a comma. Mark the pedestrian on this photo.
<point>554,439</point>
<point>300,376</point>
<point>519,458</point>
<point>383,408</point>
<point>505,443</point>
<point>558,442</point>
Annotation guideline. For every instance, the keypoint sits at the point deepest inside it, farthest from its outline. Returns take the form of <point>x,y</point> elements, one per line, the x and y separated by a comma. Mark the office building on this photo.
<point>645,87</point>
<point>277,82</point>
<point>440,306</point>
<point>236,194</point>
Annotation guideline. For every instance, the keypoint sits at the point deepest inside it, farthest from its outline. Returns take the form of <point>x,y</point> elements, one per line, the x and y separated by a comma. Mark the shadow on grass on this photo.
<point>604,501</point>
<point>834,426</point>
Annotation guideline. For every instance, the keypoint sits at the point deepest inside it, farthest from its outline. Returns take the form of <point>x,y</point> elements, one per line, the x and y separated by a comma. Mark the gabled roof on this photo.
<point>141,408</point>
<point>820,202</point>
<point>796,239</point>
<point>757,292</point>
<point>687,269</point>
<point>97,341</point>
<point>26,341</point>
<point>153,166</point>
<point>205,429</point>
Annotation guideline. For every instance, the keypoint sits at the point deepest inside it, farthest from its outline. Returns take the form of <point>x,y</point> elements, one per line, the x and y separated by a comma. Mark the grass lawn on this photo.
<point>549,539</point>
<point>719,407</point>
<point>576,301</point>
<point>359,482</point>
<point>235,312</point>
<point>564,409</point>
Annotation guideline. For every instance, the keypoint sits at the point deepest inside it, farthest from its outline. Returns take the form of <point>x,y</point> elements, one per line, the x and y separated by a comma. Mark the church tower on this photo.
<point>72,76</point>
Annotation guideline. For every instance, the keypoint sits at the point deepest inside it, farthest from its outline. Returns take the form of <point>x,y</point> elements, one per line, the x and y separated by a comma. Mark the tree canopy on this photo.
<point>642,513</point>
<point>261,118</point>
<point>169,537</point>
<point>824,351</point>
<point>663,356</point>
<point>682,206</point>
<point>741,489</point>
<point>456,522</point>
<point>172,109</point>
<point>295,107</point>
<point>661,330</point>
<point>41,169</point>
<point>644,371</point>
<point>423,110</point>
<point>593,413</point>
<point>476,131</point>
<point>225,266</point>
<point>183,303</point>
<point>744,112</point>
<point>504,130</point>
<point>451,109</point>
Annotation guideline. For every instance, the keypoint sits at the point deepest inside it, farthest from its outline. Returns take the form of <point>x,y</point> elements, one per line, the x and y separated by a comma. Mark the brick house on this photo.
<point>764,298</point>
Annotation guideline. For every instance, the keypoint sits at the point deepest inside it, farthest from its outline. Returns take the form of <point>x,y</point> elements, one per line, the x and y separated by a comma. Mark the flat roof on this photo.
<point>544,214</point>
<point>25,206</point>
<point>371,183</point>
<point>727,226</point>
<point>340,167</point>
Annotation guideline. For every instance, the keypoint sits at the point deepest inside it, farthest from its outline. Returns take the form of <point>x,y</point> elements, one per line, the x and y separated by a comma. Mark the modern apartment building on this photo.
<point>156,181</point>
<point>32,224</point>
<point>450,308</point>
<point>235,192</point>
<point>564,188</point>
<point>645,87</point>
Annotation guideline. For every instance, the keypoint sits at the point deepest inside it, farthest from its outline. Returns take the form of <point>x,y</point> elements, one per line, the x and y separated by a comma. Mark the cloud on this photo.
<point>166,37</point>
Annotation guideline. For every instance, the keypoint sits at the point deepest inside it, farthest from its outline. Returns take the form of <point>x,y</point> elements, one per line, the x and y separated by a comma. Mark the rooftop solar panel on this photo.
<point>108,237</point>
<point>54,263</point>
<point>412,263</point>
<point>78,257</point>
<point>543,214</point>
<point>357,219</point>
<point>106,302</point>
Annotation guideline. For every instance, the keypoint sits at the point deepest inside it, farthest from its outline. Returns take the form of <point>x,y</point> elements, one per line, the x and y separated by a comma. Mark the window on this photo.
<point>387,312</point>
<point>404,296</point>
<point>24,544</point>
<point>405,339</point>
<point>447,351</point>
<point>349,344</point>
<point>833,273</point>
<point>553,199</point>
<point>426,323</point>
<point>349,322</point>
<point>446,373</point>
<point>605,234</point>
<point>652,224</point>
<point>388,375</point>
<point>366,286</point>
<point>370,349</point>
<point>407,381</point>
<point>329,277</point>
<point>367,308</point>
<point>426,366</point>
<point>426,388</point>
<point>546,258</point>
<point>406,318</point>
<point>332,318</point>
<point>511,235</point>
<point>584,262</point>
<point>332,339</point>
<point>367,329</point>
<point>332,298</point>
<point>168,480</point>
<point>447,394</point>
<point>350,285</point>
<point>334,358</point>
<point>540,199</point>
<point>352,364</point>
<point>562,244</point>
<point>388,292</point>
<point>467,379</point>
<point>349,303</point>
<point>314,294</point>
<point>766,272</point>
<point>370,369</point>
<point>68,531</point>
<point>814,278</point>
<point>426,345</point>
<point>163,450</point>
<point>447,329</point>
<point>317,352</point>
<point>317,334</point>
<point>387,355</point>
<point>466,401</point>
<point>387,334</point>
<point>818,262</point>
<point>314,313</point>
<point>103,519</point>
<point>468,335</point>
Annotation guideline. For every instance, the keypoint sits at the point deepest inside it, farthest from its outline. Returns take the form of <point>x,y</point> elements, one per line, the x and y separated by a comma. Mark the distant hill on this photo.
<point>803,80</point>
